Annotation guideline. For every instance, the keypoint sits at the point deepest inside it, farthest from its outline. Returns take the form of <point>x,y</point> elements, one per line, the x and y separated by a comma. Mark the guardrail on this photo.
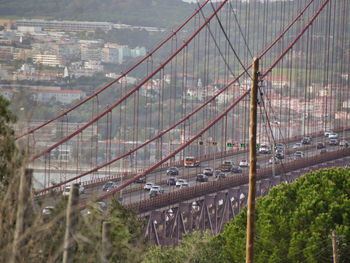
<point>229,182</point>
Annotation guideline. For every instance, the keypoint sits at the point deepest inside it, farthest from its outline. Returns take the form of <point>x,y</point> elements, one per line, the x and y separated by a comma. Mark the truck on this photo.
<point>191,161</point>
<point>226,166</point>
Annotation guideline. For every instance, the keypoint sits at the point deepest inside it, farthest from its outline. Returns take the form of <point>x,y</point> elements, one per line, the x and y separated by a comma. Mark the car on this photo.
<point>148,186</point>
<point>297,145</point>
<point>108,185</point>
<point>243,163</point>
<point>201,178</point>
<point>226,166</point>
<point>323,150</point>
<point>321,145</point>
<point>66,190</point>
<point>309,138</point>
<point>279,155</point>
<point>208,171</point>
<point>141,180</point>
<point>98,206</point>
<point>298,155</point>
<point>264,149</point>
<point>172,171</point>
<point>171,181</point>
<point>333,142</point>
<point>306,140</point>
<point>333,135</point>
<point>184,185</point>
<point>221,176</point>
<point>327,133</point>
<point>279,146</point>
<point>180,182</point>
<point>157,188</point>
<point>101,206</point>
<point>153,193</point>
<point>111,187</point>
<point>47,210</point>
<point>236,169</point>
<point>217,172</point>
<point>343,143</point>
<point>275,161</point>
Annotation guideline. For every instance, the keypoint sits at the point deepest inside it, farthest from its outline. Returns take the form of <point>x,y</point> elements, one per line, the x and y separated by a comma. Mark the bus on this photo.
<point>191,161</point>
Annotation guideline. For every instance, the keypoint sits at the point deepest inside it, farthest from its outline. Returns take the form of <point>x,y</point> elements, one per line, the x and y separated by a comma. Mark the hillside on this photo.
<point>161,13</point>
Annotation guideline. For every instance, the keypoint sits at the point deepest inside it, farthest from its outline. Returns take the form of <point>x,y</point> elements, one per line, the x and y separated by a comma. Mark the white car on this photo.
<point>243,163</point>
<point>343,143</point>
<point>47,210</point>
<point>333,135</point>
<point>157,188</point>
<point>264,149</point>
<point>208,171</point>
<point>67,190</point>
<point>327,133</point>
<point>184,185</point>
<point>180,182</point>
<point>299,154</point>
<point>148,186</point>
<point>297,145</point>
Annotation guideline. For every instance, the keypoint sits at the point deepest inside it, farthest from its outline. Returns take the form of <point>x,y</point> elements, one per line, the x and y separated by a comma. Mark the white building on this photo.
<point>93,65</point>
<point>62,96</point>
<point>46,95</point>
<point>49,60</point>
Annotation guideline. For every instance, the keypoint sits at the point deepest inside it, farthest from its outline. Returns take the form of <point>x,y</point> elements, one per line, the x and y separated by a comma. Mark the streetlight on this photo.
<point>214,143</point>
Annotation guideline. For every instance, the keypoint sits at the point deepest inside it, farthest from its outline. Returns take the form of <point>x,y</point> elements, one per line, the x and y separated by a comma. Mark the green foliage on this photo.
<point>294,221</point>
<point>126,233</point>
<point>192,248</point>
<point>8,150</point>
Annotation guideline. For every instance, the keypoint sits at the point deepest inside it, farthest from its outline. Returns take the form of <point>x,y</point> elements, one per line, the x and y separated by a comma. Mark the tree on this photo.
<point>294,221</point>
<point>193,247</point>
<point>7,142</point>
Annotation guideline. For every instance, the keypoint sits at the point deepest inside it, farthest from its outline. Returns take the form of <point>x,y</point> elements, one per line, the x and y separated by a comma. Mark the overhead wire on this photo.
<point>229,42</point>
<point>240,30</point>
<point>274,114</point>
<point>216,43</point>
<point>269,125</point>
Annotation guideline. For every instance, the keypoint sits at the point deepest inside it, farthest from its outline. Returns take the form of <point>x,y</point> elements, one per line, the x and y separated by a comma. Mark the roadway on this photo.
<point>134,192</point>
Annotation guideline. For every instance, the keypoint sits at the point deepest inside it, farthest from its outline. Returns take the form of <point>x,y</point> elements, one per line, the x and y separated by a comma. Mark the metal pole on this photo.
<point>71,219</point>
<point>252,167</point>
<point>214,145</point>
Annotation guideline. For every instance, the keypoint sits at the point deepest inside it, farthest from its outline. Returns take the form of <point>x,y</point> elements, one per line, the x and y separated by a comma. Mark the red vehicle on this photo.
<point>191,161</point>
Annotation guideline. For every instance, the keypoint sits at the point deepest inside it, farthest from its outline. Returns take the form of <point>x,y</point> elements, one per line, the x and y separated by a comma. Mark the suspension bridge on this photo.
<point>191,99</point>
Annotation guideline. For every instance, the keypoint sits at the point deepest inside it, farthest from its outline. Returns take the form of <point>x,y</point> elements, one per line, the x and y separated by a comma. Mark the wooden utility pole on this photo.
<point>335,247</point>
<point>252,166</point>
<point>25,186</point>
<point>71,220</point>
<point>106,242</point>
